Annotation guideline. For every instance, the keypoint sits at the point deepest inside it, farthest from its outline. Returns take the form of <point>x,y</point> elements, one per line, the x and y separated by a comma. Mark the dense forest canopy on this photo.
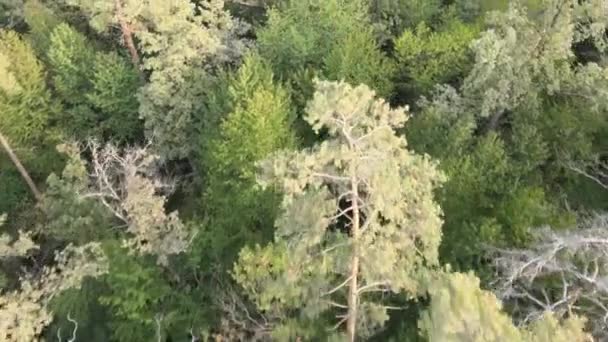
<point>304,170</point>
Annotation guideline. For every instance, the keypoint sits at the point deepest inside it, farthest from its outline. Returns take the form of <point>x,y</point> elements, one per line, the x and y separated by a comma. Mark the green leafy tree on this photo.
<point>332,38</point>
<point>257,125</point>
<point>427,57</point>
<point>394,16</point>
<point>26,114</point>
<point>179,51</point>
<point>98,89</point>
<point>71,58</point>
<point>41,21</point>
<point>461,311</point>
<point>358,216</point>
<point>504,134</point>
<point>25,103</point>
<point>517,66</point>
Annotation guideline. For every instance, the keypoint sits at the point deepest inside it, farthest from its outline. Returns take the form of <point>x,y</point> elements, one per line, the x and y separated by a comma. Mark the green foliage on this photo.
<point>301,33</point>
<point>98,88</point>
<point>427,58</point>
<point>321,231</point>
<point>114,84</point>
<point>180,51</point>
<point>83,307</point>
<point>25,103</point>
<point>333,38</point>
<point>136,293</point>
<point>394,16</point>
<point>41,22</point>
<point>510,97</point>
<point>70,216</point>
<point>11,13</point>
<point>358,60</point>
<point>460,311</point>
<point>257,124</point>
<point>71,58</point>
<point>504,137</point>
<point>491,196</point>
<point>14,191</point>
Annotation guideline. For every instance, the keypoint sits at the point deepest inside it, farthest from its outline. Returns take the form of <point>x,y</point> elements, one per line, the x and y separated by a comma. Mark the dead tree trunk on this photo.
<point>24,174</point>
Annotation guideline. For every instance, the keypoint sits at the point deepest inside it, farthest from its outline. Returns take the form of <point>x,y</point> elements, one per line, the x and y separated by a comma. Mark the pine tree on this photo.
<point>358,216</point>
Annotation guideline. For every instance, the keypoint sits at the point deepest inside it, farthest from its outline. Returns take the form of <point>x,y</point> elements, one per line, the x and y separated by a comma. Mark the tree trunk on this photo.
<point>127,34</point>
<point>353,296</point>
<point>493,121</point>
<point>20,167</point>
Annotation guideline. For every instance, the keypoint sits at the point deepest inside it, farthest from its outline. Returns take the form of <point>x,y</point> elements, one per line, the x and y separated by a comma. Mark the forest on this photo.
<point>304,170</point>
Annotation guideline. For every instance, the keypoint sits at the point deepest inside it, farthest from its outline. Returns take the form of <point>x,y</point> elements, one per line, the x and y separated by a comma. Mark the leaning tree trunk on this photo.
<point>20,168</point>
<point>127,33</point>
<point>353,289</point>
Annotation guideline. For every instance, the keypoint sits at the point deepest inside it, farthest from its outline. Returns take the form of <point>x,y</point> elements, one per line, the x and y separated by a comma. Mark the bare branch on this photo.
<point>597,172</point>
<point>567,269</point>
<point>73,339</point>
<point>338,287</point>
<point>376,286</point>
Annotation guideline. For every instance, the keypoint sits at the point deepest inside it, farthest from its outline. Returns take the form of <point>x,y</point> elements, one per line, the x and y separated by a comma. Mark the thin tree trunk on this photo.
<point>20,167</point>
<point>127,34</point>
<point>493,122</point>
<point>353,296</point>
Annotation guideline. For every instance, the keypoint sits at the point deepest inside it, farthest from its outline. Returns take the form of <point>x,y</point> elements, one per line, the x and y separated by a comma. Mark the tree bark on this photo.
<point>127,34</point>
<point>24,174</point>
<point>353,296</point>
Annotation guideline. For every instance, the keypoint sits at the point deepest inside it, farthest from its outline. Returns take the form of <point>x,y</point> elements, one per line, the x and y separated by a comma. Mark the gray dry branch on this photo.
<point>596,171</point>
<point>564,272</point>
<point>129,183</point>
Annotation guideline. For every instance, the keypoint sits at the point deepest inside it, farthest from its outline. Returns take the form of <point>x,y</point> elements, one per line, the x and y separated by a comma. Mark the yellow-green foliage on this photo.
<point>71,59</point>
<point>24,313</point>
<point>394,195</point>
<point>429,57</point>
<point>460,311</point>
<point>25,104</point>
<point>258,123</point>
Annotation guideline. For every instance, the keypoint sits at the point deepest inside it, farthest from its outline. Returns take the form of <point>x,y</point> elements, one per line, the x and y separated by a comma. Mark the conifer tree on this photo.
<point>98,88</point>
<point>257,125</point>
<point>41,21</point>
<point>25,103</point>
<point>358,216</point>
